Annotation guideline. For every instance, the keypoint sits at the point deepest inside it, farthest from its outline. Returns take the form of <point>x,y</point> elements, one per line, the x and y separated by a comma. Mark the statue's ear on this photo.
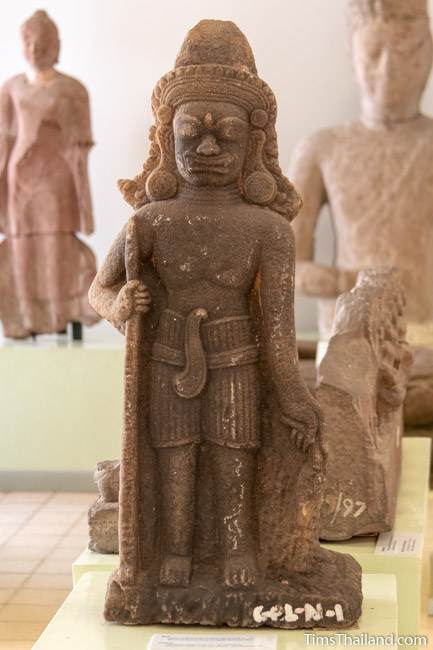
<point>161,184</point>
<point>259,186</point>
<point>158,180</point>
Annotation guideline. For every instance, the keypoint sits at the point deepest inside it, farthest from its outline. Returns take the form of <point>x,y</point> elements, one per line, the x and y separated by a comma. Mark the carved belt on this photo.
<point>195,360</point>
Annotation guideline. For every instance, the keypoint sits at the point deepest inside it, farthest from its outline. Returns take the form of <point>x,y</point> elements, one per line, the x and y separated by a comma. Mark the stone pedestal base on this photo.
<point>79,622</point>
<point>411,516</point>
<point>329,597</point>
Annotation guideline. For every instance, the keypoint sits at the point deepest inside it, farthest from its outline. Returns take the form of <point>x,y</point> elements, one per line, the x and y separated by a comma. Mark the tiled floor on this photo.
<point>41,533</point>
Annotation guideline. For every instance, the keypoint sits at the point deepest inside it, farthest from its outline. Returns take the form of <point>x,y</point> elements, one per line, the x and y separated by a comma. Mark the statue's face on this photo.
<point>40,48</point>
<point>211,141</point>
<point>392,64</point>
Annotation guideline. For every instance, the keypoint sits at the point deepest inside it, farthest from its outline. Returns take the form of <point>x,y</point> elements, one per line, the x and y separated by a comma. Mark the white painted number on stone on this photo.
<point>346,506</point>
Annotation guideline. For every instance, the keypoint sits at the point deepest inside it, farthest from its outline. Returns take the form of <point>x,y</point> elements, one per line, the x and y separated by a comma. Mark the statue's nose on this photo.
<point>208,146</point>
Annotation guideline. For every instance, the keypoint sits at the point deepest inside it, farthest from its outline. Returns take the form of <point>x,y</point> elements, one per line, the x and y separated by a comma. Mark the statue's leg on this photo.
<point>177,466</point>
<point>175,431</point>
<point>234,479</point>
<point>231,427</point>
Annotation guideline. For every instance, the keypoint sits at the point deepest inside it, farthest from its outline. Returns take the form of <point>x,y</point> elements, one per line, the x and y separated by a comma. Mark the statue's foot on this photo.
<point>240,571</point>
<point>175,570</point>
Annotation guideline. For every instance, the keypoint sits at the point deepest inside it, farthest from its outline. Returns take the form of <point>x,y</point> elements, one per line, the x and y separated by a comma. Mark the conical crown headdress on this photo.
<point>215,63</point>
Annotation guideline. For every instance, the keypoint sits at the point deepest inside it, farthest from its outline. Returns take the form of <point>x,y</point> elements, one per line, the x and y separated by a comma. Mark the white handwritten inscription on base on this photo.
<point>406,544</point>
<point>213,642</point>
<point>289,615</point>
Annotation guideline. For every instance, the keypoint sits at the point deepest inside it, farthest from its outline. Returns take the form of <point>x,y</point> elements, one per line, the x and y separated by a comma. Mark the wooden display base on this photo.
<point>79,622</point>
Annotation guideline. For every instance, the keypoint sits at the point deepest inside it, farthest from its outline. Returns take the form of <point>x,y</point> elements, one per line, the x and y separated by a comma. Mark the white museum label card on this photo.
<point>212,642</point>
<point>405,544</point>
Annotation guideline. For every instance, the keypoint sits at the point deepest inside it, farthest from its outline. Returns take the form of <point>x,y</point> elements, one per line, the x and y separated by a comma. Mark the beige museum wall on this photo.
<point>119,49</point>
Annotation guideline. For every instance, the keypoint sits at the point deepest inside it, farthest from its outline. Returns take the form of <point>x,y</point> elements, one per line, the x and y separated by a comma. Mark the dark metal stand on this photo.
<point>77,331</point>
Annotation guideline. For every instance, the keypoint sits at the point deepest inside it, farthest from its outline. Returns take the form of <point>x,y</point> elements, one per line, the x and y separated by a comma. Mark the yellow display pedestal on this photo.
<point>79,623</point>
<point>61,412</point>
<point>410,518</point>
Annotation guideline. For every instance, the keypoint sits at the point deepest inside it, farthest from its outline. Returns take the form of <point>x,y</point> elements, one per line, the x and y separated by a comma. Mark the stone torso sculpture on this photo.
<point>45,137</point>
<point>375,173</point>
<point>212,520</point>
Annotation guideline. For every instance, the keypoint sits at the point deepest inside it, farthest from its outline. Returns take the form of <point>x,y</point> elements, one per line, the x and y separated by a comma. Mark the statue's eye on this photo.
<point>188,130</point>
<point>230,129</point>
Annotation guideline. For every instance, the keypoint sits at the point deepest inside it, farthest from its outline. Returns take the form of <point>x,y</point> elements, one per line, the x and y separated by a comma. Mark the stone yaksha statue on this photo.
<point>222,459</point>
<point>45,137</point>
<point>376,172</point>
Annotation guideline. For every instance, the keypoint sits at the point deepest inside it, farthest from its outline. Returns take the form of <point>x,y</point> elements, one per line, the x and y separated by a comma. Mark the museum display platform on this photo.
<point>400,556</point>
<point>72,394</point>
<point>79,622</point>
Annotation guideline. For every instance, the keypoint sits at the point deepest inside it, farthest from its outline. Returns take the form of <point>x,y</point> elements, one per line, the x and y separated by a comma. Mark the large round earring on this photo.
<point>161,185</point>
<point>260,188</point>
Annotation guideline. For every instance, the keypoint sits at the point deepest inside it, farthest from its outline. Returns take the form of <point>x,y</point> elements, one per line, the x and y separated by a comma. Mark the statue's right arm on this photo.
<point>109,280</point>
<point>110,295</point>
<point>305,172</point>
<point>7,139</point>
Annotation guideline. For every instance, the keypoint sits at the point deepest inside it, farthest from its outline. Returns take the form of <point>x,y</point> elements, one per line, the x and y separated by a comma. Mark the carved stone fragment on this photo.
<point>362,382</point>
<point>103,515</point>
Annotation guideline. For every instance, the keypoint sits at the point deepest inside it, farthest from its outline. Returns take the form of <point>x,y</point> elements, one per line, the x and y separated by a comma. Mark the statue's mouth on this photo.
<point>196,164</point>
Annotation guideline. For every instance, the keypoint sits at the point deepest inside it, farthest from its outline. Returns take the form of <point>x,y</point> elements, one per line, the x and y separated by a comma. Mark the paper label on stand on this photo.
<point>404,544</point>
<point>212,642</point>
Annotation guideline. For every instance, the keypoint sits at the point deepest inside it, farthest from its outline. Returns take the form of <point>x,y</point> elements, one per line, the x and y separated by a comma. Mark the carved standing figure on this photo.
<point>45,137</point>
<point>376,173</point>
<point>217,525</point>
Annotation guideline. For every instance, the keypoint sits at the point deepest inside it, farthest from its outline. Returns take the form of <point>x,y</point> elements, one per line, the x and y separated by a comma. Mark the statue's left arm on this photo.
<point>313,278</point>
<point>300,410</point>
<point>80,147</point>
<point>7,138</point>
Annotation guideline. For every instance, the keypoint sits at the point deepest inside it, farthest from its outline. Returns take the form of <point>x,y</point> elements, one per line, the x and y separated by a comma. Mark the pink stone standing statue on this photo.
<point>45,137</point>
<point>375,173</point>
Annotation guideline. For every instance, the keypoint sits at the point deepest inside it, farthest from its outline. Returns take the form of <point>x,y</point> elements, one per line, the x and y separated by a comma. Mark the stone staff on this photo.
<point>128,535</point>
